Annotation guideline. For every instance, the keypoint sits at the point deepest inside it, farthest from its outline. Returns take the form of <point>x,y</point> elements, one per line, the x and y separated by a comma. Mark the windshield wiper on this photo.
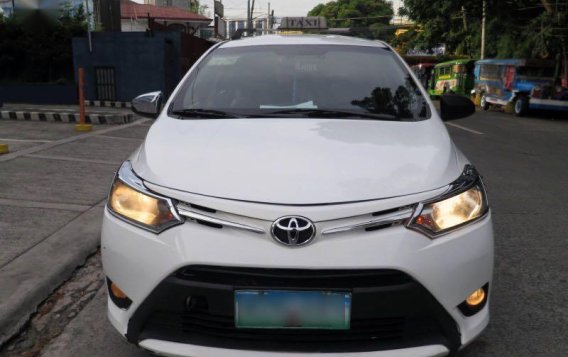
<point>204,113</point>
<point>328,113</point>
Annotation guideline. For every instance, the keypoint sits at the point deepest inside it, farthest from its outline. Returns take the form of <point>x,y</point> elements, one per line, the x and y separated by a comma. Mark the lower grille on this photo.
<point>298,278</point>
<point>389,311</point>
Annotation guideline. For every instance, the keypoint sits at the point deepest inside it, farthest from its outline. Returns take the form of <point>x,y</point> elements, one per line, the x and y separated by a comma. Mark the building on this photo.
<point>135,18</point>
<point>232,25</point>
<point>180,4</point>
<point>123,65</point>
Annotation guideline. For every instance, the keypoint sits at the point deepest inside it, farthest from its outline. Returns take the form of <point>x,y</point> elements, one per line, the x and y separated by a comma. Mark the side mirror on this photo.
<point>148,105</point>
<point>455,106</point>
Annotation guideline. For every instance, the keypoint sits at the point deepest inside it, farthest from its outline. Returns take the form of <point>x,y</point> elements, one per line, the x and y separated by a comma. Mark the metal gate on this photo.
<point>105,82</point>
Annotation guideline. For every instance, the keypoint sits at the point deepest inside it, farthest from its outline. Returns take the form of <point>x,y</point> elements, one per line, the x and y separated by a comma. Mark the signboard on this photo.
<point>219,8</point>
<point>303,23</point>
<point>435,51</point>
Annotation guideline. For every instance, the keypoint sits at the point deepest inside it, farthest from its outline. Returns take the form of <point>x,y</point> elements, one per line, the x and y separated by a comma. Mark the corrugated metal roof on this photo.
<point>132,10</point>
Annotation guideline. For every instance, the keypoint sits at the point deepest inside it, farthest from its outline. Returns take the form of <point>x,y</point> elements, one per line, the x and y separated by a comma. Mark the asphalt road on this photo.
<point>524,164</point>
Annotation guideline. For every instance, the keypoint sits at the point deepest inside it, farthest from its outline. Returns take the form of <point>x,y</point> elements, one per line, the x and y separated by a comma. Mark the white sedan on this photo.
<point>298,195</point>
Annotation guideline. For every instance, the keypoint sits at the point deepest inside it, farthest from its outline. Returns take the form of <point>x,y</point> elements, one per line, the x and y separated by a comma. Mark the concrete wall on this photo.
<point>139,25</point>
<point>139,60</point>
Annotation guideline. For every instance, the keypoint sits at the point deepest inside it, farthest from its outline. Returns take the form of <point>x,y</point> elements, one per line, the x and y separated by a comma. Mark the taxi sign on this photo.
<point>288,32</point>
<point>303,23</point>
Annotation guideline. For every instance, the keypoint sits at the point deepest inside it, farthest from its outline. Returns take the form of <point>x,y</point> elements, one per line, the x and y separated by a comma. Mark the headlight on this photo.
<point>130,200</point>
<point>464,203</point>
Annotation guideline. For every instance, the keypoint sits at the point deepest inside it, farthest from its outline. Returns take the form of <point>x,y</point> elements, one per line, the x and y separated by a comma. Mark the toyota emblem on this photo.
<point>293,230</point>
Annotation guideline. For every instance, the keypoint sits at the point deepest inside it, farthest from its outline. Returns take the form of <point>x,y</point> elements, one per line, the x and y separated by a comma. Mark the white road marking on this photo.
<point>26,140</point>
<point>464,128</point>
<point>118,137</point>
<point>37,148</point>
<point>49,205</point>
<point>66,158</point>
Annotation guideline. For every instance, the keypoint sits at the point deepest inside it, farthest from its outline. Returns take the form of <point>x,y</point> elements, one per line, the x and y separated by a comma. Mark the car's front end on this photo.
<point>291,235</point>
<point>408,286</point>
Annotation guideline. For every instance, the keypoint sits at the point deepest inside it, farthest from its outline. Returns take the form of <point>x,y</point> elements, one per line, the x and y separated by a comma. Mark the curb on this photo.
<point>26,285</point>
<point>67,117</point>
<point>106,103</point>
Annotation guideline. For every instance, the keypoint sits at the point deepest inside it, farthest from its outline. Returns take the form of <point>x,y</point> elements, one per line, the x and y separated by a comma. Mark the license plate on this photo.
<point>277,309</point>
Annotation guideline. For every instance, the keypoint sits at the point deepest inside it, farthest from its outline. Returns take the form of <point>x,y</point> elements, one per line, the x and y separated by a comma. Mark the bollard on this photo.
<point>82,126</point>
<point>477,99</point>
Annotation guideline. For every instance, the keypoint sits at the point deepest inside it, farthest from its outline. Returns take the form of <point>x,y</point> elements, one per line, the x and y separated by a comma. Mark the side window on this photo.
<point>509,77</point>
<point>489,71</point>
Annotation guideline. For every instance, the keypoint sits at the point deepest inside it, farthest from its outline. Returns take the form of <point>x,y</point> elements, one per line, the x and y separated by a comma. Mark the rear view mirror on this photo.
<point>148,105</point>
<point>455,106</point>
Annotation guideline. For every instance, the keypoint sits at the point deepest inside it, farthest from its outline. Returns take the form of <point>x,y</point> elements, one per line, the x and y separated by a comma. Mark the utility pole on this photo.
<point>88,26</point>
<point>268,27</point>
<point>251,14</point>
<point>249,17</point>
<point>464,14</point>
<point>483,29</point>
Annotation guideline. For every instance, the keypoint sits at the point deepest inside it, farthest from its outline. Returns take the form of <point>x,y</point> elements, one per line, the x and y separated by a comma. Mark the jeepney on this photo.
<point>424,73</point>
<point>452,77</point>
<point>519,84</point>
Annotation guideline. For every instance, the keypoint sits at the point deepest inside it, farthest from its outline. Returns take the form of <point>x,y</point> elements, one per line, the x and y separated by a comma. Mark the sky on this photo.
<point>238,8</point>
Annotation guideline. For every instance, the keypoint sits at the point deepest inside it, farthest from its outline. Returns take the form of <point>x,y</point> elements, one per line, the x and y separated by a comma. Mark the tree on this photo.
<point>198,8</point>
<point>36,46</point>
<point>515,28</point>
<point>366,18</point>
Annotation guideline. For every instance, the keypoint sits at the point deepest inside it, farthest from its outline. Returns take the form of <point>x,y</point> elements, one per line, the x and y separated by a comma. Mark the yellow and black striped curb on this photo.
<point>106,103</point>
<point>67,117</point>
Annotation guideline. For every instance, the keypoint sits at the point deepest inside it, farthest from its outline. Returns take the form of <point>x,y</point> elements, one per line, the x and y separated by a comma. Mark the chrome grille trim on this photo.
<point>192,215</point>
<point>386,219</point>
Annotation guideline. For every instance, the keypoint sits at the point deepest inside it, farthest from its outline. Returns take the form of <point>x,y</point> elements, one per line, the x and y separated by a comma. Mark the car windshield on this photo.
<point>332,81</point>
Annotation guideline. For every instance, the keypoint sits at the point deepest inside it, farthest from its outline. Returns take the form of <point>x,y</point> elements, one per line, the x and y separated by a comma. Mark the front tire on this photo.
<point>521,106</point>
<point>483,103</point>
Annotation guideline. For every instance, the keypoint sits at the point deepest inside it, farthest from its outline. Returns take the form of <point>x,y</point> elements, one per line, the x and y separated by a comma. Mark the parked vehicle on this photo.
<point>298,195</point>
<point>453,77</point>
<point>423,72</point>
<point>524,84</point>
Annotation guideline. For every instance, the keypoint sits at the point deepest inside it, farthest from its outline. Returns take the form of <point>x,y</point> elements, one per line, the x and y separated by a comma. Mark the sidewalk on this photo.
<point>53,186</point>
<point>65,113</point>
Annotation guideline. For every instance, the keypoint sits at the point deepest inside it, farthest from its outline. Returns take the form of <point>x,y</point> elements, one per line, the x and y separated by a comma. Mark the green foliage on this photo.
<point>366,18</point>
<point>36,47</point>
<point>515,28</point>
<point>198,8</point>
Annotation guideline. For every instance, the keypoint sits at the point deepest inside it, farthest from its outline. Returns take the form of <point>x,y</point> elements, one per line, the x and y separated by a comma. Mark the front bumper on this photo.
<point>390,311</point>
<point>435,276</point>
<point>178,349</point>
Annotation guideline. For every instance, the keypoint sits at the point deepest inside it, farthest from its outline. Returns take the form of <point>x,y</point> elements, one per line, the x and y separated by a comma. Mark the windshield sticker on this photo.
<point>223,61</point>
<point>306,105</point>
<point>306,67</point>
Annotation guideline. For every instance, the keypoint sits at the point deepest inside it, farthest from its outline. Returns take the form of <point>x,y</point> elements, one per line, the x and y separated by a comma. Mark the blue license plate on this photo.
<point>278,309</point>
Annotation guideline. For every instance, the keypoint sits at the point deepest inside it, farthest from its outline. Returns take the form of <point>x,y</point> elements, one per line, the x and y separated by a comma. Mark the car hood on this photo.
<point>298,161</point>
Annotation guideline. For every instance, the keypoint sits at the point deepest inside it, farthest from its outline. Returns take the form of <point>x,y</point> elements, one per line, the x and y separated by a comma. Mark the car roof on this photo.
<point>458,61</point>
<point>518,62</point>
<point>267,40</point>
